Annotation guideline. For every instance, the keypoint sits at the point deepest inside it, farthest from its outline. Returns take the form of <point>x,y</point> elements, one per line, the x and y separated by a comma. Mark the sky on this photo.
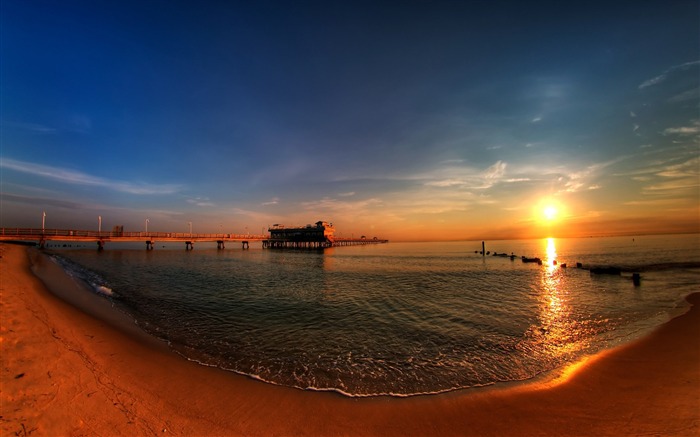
<point>406,120</point>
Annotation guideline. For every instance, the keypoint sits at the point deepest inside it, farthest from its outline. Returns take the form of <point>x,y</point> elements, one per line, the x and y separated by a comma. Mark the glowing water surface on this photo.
<point>401,318</point>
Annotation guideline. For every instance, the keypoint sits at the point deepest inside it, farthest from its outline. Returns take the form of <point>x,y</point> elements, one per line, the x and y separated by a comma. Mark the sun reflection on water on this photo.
<point>557,328</point>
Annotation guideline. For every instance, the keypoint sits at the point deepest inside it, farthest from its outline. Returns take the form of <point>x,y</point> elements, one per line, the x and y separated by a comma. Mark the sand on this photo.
<point>65,372</point>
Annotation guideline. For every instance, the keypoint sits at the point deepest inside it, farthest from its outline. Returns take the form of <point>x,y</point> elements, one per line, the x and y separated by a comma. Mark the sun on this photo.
<point>550,212</point>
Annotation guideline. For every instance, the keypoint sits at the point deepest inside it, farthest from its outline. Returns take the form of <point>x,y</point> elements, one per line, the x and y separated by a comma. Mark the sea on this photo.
<point>396,319</point>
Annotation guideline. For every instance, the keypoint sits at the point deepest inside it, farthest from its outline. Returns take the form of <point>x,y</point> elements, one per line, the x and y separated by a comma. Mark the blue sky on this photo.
<point>402,119</point>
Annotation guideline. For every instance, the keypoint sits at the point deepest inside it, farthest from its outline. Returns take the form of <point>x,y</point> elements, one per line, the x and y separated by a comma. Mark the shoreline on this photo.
<point>68,373</point>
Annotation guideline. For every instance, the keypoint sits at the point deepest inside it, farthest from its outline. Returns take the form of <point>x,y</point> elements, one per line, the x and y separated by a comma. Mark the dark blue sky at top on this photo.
<point>245,103</point>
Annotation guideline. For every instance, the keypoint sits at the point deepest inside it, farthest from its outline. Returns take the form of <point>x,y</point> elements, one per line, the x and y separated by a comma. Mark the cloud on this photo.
<point>582,179</point>
<point>348,194</point>
<point>79,178</point>
<point>465,177</point>
<point>683,130</point>
<point>653,81</point>
<point>203,202</point>
<point>44,201</point>
<point>663,76</point>
<point>693,94</point>
<point>676,177</point>
<point>32,127</point>
<point>335,207</point>
<point>273,201</point>
<point>496,171</point>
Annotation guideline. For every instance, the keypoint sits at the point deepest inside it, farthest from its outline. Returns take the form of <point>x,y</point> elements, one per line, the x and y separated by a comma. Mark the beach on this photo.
<point>65,372</point>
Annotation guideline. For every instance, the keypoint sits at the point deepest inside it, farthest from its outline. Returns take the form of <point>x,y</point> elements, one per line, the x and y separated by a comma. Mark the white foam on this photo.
<point>101,289</point>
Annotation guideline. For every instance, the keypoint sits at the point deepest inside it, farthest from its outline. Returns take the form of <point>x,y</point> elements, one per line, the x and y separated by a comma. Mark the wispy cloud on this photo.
<point>32,127</point>
<point>583,179</point>
<point>273,201</point>
<point>671,178</point>
<point>693,94</point>
<point>465,177</point>
<point>201,202</point>
<point>335,205</point>
<point>694,128</point>
<point>663,76</point>
<point>44,201</point>
<point>79,178</point>
<point>496,171</point>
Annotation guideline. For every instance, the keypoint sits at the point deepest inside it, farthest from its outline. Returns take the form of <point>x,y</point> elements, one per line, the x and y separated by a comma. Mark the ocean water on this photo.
<point>395,319</point>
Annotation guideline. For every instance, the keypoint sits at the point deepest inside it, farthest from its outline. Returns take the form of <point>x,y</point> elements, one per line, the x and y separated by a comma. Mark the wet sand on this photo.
<point>65,372</point>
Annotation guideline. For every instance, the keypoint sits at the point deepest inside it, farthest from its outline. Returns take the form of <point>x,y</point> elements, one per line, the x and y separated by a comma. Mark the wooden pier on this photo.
<point>307,237</point>
<point>41,236</point>
<point>312,245</point>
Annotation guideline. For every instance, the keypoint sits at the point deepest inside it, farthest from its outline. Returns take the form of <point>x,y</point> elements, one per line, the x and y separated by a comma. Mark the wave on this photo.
<point>95,282</point>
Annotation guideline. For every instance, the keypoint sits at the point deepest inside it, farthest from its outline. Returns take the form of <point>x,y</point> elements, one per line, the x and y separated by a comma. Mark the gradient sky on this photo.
<point>402,120</point>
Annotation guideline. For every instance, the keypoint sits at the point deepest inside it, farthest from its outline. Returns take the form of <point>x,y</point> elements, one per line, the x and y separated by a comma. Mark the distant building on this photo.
<point>322,232</point>
<point>319,236</point>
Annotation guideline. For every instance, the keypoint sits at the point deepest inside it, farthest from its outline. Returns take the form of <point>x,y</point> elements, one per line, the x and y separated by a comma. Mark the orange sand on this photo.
<point>67,373</point>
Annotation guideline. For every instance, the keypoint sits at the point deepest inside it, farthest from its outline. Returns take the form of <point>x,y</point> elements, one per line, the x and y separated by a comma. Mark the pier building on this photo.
<point>318,236</point>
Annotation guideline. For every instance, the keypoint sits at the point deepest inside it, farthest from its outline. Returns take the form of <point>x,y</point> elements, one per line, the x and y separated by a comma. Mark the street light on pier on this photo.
<point>190,224</point>
<point>43,222</point>
<point>147,220</point>
<point>99,224</point>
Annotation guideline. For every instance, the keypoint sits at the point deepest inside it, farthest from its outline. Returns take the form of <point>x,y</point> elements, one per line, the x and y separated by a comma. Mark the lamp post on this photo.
<point>190,225</point>
<point>147,220</point>
<point>43,222</point>
<point>99,224</point>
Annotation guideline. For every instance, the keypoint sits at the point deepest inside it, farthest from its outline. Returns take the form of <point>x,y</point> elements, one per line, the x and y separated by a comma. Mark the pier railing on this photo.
<point>44,235</point>
<point>38,234</point>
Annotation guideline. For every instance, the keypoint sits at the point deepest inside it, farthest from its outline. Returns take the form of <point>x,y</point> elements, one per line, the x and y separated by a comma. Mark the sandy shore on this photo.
<point>67,373</point>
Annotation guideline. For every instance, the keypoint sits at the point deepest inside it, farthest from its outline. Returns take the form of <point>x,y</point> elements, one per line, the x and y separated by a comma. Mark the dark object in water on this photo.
<point>636,279</point>
<point>579,265</point>
<point>606,270</point>
<point>563,265</point>
<point>531,260</point>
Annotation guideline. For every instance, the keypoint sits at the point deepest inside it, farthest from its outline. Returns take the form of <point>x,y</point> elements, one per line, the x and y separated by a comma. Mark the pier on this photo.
<point>309,237</point>
<point>41,236</point>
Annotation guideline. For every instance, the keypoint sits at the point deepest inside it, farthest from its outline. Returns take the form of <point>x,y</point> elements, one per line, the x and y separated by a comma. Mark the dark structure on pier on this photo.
<point>318,236</point>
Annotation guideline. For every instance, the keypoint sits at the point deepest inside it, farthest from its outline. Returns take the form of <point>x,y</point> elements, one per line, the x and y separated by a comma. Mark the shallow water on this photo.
<point>400,318</point>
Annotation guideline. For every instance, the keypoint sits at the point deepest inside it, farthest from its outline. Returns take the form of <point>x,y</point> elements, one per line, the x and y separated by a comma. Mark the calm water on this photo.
<point>400,318</point>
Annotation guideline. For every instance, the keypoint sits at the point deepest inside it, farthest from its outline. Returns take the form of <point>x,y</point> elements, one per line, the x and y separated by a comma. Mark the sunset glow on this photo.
<point>401,126</point>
